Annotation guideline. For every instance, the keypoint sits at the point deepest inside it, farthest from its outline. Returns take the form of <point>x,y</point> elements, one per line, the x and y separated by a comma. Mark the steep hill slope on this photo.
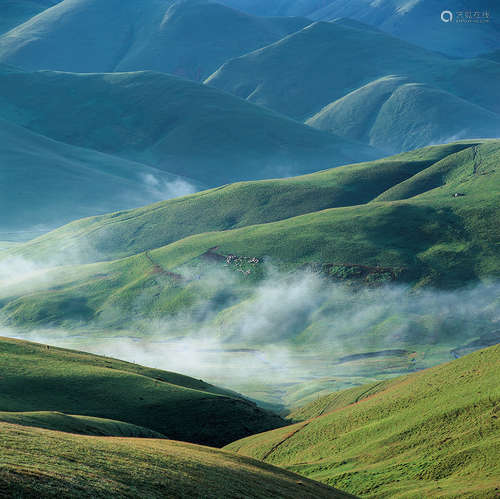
<point>123,234</point>
<point>423,116</point>
<point>310,69</point>
<point>159,35</point>
<point>40,378</point>
<point>170,123</point>
<point>36,462</point>
<point>45,183</point>
<point>433,433</point>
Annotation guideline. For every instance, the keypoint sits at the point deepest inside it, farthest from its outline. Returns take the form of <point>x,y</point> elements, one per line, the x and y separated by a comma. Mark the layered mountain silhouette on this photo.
<point>190,38</point>
<point>474,29</point>
<point>349,60</point>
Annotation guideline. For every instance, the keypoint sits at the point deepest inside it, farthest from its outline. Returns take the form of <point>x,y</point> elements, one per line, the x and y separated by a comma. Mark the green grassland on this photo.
<point>36,462</point>
<point>429,434</point>
<point>39,378</point>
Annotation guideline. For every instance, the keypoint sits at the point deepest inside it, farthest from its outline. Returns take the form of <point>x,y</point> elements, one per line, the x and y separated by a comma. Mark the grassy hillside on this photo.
<point>85,425</point>
<point>163,36</point>
<point>36,462</point>
<point>170,123</point>
<point>423,112</point>
<point>38,378</point>
<point>126,233</point>
<point>46,183</point>
<point>308,70</point>
<point>434,434</point>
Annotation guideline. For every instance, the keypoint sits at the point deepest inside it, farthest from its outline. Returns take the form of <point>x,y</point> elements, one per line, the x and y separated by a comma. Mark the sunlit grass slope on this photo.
<point>40,378</point>
<point>430,434</point>
<point>42,463</point>
<point>232,206</point>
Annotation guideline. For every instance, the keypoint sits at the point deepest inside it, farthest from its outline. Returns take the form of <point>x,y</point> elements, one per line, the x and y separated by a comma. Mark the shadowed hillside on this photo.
<point>418,21</point>
<point>77,383</point>
<point>173,124</point>
<point>313,68</point>
<point>45,183</point>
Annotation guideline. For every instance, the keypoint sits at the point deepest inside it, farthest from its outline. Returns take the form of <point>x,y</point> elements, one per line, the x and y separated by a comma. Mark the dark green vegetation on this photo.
<point>46,183</point>
<point>158,35</point>
<point>38,378</point>
<point>170,123</point>
<point>347,60</point>
<point>430,434</point>
<point>418,21</point>
<point>43,463</point>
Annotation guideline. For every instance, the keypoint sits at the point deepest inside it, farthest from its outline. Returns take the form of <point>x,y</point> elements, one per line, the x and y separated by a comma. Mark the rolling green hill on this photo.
<point>38,378</point>
<point>46,183</point>
<point>164,36</point>
<point>408,218</point>
<point>306,71</point>
<point>36,462</point>
<point>430,434</point>
<point>173,124</point>
<point>126,233</point>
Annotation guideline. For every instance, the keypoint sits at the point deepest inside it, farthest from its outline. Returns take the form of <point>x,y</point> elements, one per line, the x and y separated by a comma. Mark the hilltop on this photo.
<point>83,386</point>
<point>371,442</point>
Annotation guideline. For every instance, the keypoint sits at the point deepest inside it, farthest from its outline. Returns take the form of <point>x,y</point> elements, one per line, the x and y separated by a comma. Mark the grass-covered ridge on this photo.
<point>232,206</point>
<point>37,462</point>
<point>40,378</point>
<point>434,433</point>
